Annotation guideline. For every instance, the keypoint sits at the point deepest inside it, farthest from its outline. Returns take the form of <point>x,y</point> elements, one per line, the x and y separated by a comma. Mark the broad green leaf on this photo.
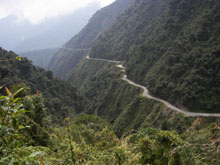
<point>19,113</point>
<point>18,106</point>
<point>16,100</point>
<point>4,108</point>
<point>2,97</point>
<point>1,87</point>
<point>36,154</point>
<point>18,91</point>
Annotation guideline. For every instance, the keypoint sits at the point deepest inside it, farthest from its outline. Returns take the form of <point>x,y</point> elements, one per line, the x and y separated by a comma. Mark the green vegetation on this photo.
<point>120,103</point>
<point>172,47</point>
<point>16,131</point>
<point>61,99</point>
<point>88,139</point>
<point>166,46</point>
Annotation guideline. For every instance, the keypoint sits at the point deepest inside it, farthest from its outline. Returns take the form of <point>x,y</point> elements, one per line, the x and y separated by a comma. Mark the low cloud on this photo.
<point>36,11</point>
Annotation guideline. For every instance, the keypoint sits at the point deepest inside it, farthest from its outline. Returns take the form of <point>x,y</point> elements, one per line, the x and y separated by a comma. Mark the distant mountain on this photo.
<point>172,47</point>
<point>40,57</point>
<point>12,33</point>
<point>61,32</point>
<point>65,60</point>
<point>23,37</point>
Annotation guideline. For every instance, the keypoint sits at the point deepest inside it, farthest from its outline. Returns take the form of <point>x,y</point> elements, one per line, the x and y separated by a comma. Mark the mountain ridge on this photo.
<point>64,61</point>
<point>169,53</point>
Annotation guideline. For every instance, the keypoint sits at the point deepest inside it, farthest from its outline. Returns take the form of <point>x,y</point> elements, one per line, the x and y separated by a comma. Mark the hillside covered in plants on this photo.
<point>94,116</point>
<point>88,139</point>
<point>172,47</point>
<point>61,98</point>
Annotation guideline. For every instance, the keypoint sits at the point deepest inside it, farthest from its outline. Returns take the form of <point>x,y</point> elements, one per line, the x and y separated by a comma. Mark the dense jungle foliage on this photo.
<point>172,47</point>
<point>65,60</point>
<point>121,104</point>
<point>88,139</point>
<point>61,98</point>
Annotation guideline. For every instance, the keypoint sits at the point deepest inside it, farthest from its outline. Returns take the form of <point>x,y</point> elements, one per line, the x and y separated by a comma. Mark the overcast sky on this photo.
<point>35,11</point>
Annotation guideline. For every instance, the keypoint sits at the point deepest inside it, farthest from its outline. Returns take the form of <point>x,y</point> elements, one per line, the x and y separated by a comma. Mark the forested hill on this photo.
<point>65,60</point>
<point>172,47</point>
<point>61,98</point>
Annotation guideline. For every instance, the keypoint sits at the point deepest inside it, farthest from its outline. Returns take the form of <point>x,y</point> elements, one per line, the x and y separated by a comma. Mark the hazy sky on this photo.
<point>35,11</point>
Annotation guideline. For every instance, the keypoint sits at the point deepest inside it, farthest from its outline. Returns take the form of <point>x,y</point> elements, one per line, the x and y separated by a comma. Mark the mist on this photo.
<point>27,26</point>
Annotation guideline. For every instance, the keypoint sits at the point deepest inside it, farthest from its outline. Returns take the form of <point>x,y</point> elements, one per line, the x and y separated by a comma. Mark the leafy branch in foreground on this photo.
<point>11,114</point>
<point>14,134</point>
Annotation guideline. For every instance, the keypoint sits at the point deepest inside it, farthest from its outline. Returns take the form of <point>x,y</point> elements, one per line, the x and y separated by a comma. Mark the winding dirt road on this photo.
<point>148,95</point>
<point>98,59</point>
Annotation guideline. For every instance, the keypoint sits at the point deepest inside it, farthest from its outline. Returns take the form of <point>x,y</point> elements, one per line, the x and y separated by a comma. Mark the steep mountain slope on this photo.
<point>99,82</point>
<point>61,98</point>
<point>172,47</point>
<point>66,59</point>
<point>40,57</point>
